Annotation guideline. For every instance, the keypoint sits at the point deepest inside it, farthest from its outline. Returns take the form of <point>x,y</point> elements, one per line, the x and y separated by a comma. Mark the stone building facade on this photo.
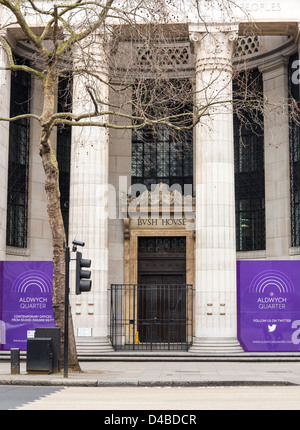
<point>196,239</point>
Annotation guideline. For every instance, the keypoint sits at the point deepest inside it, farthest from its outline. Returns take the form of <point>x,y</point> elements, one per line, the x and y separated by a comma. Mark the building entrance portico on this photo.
<point>211,261</point>
<point>158,293</point>
<point>210,233</point>
<point>164,262</point>
<point>153,225</point>
<point>156,313</point>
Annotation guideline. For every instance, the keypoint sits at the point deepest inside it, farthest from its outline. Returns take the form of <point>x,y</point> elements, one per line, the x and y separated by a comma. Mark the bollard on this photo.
<point>15,361</point>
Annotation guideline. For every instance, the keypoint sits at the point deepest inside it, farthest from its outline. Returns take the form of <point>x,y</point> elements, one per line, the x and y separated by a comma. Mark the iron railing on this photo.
<point>151,317</point>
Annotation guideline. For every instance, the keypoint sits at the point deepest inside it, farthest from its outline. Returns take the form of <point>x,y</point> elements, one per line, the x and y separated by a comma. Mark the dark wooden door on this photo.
<point>162,308</point>
<point>161,290</point>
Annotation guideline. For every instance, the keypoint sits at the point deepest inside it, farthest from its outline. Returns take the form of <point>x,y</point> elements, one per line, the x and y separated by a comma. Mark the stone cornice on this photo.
<point>274,63</point>
<point>5,34</point>
<point>297,34</point>
<point>213,28</point>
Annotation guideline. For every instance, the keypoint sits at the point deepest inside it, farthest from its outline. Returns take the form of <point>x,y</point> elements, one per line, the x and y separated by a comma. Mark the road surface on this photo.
<point>150,399</point>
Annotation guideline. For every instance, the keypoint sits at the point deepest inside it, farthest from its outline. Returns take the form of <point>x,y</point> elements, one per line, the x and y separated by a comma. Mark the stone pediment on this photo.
<point>159,199</point>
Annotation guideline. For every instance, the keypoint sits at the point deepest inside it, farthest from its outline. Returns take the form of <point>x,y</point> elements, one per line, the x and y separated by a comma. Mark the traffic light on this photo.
<point>83,282</point>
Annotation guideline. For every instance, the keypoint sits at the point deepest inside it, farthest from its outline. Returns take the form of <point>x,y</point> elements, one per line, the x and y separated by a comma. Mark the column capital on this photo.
<point>213,46</point>
<point>213,43</point>
<point>199,31</point>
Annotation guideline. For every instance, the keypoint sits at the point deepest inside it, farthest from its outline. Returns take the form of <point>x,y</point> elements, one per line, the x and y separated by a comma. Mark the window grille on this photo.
<point>159,153</point>
<point>249,179</point>
<point>157,158</point>
<point>165,55</point>
<point>162,245</point>
<point>18,166</point>
<point>249,45</point>
<point>294,161</point>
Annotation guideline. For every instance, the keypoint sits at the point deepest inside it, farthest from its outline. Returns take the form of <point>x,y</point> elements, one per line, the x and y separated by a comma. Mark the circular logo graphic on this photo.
<point>271,280</point>
<point>32,279</point>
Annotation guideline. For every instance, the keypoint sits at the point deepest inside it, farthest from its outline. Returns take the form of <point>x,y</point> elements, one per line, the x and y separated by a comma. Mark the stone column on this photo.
<point>88,194</point>
<point>216,315</point>
<point>4,145</point>
<point>277,168</point>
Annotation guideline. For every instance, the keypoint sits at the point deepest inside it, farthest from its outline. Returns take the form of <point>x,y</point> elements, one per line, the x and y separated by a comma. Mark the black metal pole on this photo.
<point>66,341</point>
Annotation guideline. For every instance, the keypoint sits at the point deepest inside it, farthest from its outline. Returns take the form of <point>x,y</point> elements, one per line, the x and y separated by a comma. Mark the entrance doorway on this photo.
<point>162,309</point>
<point>162,306</point>
<point>156,313</point>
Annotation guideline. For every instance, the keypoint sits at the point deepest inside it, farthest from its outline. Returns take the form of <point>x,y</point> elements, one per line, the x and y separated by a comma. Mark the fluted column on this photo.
<point>216,316</point>
<point>88,191</point>
<point>4,146</point>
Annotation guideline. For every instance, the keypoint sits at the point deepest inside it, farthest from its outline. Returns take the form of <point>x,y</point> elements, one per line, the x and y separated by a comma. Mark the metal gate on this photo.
<point>151,317</point>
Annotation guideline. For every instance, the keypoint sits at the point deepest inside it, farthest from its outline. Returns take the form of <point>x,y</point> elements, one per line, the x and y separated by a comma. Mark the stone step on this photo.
<point>173,356</point>
<point>201,350</point>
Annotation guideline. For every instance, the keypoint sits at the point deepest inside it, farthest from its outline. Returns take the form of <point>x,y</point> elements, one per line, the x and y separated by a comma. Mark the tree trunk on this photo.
<point>55,217</point>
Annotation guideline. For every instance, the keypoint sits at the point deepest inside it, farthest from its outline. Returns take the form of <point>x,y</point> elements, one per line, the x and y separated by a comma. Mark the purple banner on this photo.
<point>26,291</point>
<point>269,305</point>
<point>2,326</point>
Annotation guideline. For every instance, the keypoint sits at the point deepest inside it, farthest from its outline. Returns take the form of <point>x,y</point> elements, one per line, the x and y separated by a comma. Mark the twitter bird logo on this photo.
<point>272,328</point>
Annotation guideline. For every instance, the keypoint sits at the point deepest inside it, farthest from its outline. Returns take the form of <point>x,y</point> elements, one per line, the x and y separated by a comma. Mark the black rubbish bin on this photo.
<point>39,355</point>
<point>54,334</point>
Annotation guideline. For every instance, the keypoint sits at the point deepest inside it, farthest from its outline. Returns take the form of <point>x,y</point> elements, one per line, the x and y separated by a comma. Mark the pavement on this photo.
<point>163,373</point>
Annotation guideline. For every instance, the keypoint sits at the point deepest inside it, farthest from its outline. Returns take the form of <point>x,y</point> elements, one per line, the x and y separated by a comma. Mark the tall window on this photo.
<point>294,154</point>
<point>64,135</point>
<point>18,167</point>
<point>157,158</point>
<point>160,154</point>
<point>249,175</point>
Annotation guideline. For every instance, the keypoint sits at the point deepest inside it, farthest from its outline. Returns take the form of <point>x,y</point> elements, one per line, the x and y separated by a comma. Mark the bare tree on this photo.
<point>63,36</point>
